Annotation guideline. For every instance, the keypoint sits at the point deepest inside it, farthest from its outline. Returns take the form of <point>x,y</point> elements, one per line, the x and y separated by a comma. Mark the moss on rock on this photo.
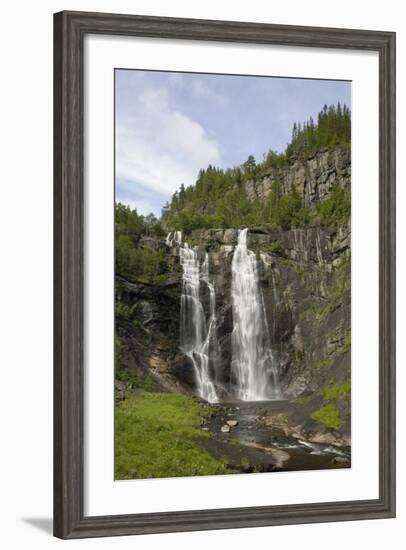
<point>328,415</point>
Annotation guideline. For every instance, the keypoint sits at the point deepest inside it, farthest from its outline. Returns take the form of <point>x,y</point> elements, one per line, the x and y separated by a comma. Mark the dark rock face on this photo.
<point>307,289</point>
<point>304,275</point>
<point>151,337</point>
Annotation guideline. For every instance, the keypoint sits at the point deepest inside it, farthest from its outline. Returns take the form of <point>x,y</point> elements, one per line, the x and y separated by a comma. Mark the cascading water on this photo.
<point>253,366</point>
<point>213,345</point>
<point>196,337</point>
<point>174,237</point>
<point>254,372</point>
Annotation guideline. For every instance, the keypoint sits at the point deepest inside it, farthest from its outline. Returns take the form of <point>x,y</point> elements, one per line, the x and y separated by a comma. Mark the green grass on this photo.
<point>329,416</point>
<point>155,436</point>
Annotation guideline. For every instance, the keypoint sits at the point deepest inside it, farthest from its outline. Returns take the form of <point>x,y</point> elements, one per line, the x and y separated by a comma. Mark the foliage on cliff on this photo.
<point>134,261</point>
<point>228,206</point>
<point>219,197</point>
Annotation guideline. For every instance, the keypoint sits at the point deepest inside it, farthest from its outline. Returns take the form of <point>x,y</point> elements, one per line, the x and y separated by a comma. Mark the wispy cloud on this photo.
<point>158,146</point>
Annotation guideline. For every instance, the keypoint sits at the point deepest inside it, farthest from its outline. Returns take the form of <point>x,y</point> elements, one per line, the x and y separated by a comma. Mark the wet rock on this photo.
<point>340,460</point>
<point>120,386</point>
<point>232,423</point>
<point>230,236</point>
<point>326,438</point>
<point>279,457</point>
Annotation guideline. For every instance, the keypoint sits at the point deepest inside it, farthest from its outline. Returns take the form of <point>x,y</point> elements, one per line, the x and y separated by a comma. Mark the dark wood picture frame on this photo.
<point>69,31</point>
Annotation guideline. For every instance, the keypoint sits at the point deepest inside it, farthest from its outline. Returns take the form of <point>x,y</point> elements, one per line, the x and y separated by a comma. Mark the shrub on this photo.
<point>336,209</point>
<point>329,416</point>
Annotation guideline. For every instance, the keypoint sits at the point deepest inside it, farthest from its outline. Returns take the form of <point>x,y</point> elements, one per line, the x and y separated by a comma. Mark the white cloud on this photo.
<point>160,147</point>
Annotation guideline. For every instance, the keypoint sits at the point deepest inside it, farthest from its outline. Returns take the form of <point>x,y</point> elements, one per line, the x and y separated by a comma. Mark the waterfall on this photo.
<point>213,345</point>
<point>174,237</point>
<point>197,336</point>
<point>253,366</point>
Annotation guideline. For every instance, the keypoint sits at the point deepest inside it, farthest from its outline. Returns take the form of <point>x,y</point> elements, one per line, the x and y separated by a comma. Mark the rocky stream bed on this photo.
<point>257,437</point>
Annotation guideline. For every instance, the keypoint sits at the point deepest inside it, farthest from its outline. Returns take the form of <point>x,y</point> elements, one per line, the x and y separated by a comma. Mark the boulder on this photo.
<point>232,423</point>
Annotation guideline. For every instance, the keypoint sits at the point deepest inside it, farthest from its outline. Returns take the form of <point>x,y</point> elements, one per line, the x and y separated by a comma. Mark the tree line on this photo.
<point>219,197</point>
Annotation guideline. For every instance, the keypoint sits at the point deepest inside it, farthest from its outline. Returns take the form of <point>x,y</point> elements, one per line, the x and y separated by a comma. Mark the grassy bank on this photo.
<point>156,436</point>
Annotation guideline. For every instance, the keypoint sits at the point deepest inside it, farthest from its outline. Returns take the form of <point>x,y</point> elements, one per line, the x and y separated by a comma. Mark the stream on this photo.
<point>252,446</point>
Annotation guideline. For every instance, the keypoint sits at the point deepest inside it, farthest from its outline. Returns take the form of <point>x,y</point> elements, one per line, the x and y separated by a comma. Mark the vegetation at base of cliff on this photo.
<point>219,197</point>
<point>328,415</point>
<point>328,393</point>
<point>155,436</point>
<point>134,379</point>
<point>334,398</point>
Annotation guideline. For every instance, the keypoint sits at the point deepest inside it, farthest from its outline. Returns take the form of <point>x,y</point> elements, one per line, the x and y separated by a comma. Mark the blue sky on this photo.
<point>169,125</point>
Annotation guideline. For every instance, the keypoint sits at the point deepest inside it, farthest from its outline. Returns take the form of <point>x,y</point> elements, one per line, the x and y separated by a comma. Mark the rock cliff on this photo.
<point>304,275</point>
<point>313,178</point>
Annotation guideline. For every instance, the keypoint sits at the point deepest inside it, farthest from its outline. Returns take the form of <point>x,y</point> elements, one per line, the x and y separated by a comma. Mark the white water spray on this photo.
<point>253,365</point>
<point>174,237</point>
<point>197,336</point>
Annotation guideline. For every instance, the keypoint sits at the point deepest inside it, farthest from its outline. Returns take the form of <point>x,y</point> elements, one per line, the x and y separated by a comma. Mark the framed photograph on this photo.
<point>224,274</point>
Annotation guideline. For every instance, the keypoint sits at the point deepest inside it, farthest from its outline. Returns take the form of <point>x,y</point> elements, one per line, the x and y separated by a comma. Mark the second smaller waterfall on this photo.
<point>196,336</point>
<point>174,237</point>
